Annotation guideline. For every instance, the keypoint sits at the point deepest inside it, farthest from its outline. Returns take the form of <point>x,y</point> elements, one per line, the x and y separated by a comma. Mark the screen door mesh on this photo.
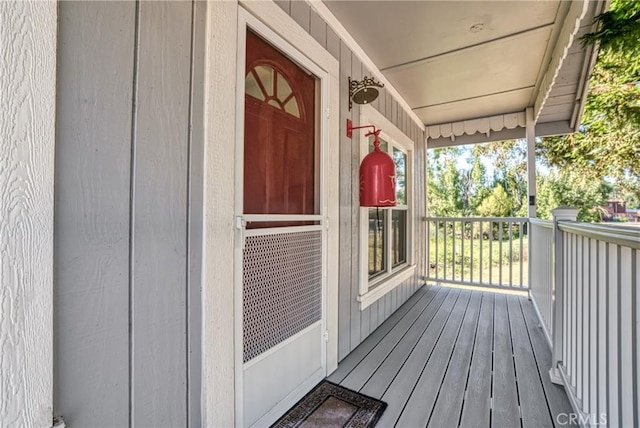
<point>282,286</point>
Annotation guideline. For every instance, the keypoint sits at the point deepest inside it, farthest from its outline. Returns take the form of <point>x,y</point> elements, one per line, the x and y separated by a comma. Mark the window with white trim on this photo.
<point>386,233</point>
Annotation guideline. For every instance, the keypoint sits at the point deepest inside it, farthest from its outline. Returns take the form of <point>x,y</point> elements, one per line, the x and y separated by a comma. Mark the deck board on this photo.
<point>387,371</point>
<point>476,410</point>
<point>556,397</point>
<point>457,357</point>
<point>533,404</point>
<point>357,355</point>
<point>403,384</point>
<point>448,408</point>
<point>424,395</point>
<point>402,332</point>
<point>505,407</point>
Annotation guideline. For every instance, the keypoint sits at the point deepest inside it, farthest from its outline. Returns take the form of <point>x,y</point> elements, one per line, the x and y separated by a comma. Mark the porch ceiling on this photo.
<point>455,61</point>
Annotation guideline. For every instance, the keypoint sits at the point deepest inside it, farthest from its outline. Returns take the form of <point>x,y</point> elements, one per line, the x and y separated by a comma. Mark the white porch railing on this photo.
<point>541,270</point>
<point>491,252</point>
<point>584,284</point>
<point>595,334</point>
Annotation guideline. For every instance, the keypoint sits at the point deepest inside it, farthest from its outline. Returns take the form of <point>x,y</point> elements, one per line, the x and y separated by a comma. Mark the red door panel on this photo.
<point>279,147</point>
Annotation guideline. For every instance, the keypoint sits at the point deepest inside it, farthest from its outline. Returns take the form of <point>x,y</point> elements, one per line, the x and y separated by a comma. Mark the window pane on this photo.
<point>284,90</point>
<point>291,107</point>
<point>398,237</point>
<point>251,87</point>
<point>400,159</point>
<point>265,74</point>
<point>384,146</point>
<point>377,246</point>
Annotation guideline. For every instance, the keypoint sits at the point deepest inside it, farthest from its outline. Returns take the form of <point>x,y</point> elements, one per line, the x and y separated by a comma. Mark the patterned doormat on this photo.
<point>330,405</point>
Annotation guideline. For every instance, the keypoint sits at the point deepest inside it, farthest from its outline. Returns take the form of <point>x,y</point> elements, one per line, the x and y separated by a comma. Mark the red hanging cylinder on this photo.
<point>377,178</point>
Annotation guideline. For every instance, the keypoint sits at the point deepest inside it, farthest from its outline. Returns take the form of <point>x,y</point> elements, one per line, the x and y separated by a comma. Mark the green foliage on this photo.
<point>574,190</point>
<point>608,142</point>
<point>497,204</point>
<point>619,28</point>
<point>444,183</point>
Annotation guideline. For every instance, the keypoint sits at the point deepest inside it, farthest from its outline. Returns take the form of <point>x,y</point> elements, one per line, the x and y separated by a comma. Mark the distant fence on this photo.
<point>490,252</point>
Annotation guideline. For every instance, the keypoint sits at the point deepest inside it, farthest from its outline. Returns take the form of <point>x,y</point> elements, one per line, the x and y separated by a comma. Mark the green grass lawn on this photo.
<point>479,260</point>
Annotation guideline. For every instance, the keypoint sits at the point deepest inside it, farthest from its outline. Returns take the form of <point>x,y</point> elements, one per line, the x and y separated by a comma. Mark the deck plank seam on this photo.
<point>453,348</point>
<point>414,347</point>
<point>513,361</point>
<point>413,302</point>
<point>493,358</point>
<point>473,351</point>
<point>535,358</point>
<point>448,357</point>
<point>439,305</point>
<point>424,366</point>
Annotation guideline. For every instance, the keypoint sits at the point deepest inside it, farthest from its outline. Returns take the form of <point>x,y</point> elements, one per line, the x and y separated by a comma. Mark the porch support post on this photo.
<point>531,161</point>
<point>561,213</point>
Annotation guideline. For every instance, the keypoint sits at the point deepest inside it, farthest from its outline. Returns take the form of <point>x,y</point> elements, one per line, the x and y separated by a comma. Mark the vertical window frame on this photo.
<point>371,289</point>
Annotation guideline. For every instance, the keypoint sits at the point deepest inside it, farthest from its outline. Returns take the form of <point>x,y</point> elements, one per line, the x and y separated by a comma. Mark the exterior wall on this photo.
<point>131,220</point>
<point>355,325</point>
<point>127,213</point>
<point>27,131</point>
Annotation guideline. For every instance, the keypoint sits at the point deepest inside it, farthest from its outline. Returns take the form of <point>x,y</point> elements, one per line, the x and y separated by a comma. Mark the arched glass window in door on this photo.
<point>267,84</point>
<point>281,153</point>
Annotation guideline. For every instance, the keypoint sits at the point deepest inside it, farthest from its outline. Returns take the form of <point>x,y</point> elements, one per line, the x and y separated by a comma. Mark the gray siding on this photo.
<point>126,299</point>
<point>355,325</point>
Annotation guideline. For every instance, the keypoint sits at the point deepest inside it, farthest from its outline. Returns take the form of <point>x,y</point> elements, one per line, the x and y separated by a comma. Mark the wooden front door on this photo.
<point>279,134</point>
<point>282,256</point>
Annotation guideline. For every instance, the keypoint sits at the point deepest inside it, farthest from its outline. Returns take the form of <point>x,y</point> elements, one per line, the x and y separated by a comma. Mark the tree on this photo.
<point>444,183</point>
<point>619,28</point>
<point>509,160</point>
<point>497,204</point>
<point>564,187</point>
<point>608,141</point>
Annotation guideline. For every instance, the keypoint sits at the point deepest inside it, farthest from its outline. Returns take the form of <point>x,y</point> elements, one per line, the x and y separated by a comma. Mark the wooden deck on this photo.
<point>451,357</point>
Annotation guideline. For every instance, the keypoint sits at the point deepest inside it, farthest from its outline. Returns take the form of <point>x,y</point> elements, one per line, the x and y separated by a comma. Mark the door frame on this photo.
<point>282,32</point>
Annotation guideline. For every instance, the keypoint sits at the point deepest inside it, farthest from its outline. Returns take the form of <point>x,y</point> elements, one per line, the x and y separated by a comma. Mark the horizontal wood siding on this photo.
<point>355,325</point>
<point>123,197</point>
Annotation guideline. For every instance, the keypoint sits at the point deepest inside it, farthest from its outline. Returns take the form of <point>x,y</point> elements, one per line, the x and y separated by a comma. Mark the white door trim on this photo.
<point>284,33</point>
<point>27,132</point>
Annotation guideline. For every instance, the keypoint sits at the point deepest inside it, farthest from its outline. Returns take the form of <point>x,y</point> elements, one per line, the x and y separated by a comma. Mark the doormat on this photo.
<point>330,405</point>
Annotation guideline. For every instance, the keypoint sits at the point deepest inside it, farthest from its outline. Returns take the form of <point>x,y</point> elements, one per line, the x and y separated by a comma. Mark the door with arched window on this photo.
<point>283,241</point>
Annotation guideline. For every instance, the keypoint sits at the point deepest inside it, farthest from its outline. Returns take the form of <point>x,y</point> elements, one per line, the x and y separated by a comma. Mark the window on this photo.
<point>265,83</point>
<point>386,233</point>
<point>281,156</point>
<point>387,239</point>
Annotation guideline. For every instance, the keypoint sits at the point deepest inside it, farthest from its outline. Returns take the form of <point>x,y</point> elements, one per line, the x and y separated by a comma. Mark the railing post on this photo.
<point>559,214</point>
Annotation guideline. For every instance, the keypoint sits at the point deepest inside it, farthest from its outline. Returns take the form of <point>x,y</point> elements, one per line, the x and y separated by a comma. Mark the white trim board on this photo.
<point>27,132</point>
<point>218,237</point>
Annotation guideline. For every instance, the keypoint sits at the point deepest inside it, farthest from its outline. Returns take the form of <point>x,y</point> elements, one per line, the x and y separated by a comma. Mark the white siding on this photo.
<point>127,214</point>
